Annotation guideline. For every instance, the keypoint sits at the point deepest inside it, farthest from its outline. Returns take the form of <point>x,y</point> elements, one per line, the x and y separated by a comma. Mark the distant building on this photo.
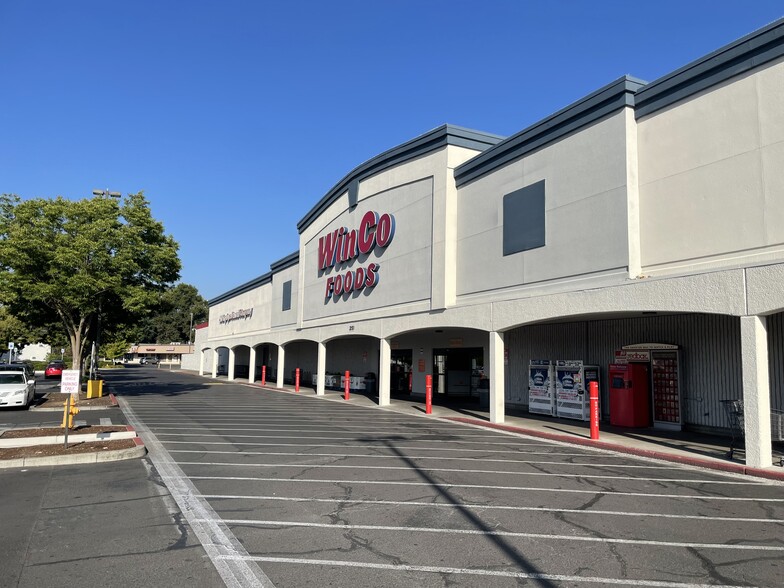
<point>171,353</point>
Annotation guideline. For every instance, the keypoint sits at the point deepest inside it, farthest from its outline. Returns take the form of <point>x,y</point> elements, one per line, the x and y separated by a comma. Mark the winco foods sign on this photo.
<point>341,246</point>
<point>243,313</point>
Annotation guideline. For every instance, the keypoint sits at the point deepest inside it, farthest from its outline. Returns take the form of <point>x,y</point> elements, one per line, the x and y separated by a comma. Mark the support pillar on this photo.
<point>230,377</point>
<point>201,362</point>
<point>252,366</point>
<point>214,363</point>
<point>756,391</point>
<point>384,376</point>
<point>281,365</point>
<point>321,368</point>
<point>497,397</point>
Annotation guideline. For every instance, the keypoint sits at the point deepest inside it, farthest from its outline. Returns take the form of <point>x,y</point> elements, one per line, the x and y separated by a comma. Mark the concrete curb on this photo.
<point>735,468</point>
<point>81,408</point>
<point>129,433</point>
<point>79,458</point>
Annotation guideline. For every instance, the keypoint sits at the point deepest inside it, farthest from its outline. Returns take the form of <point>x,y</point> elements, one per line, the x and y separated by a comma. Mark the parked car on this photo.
<point>16,389</point>
<point>54,370</point>
<point>152,360</point>
<point>15,367</point>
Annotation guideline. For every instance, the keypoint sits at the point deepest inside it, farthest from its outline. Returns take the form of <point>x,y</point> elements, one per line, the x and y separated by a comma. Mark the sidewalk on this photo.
<point>707,451</point>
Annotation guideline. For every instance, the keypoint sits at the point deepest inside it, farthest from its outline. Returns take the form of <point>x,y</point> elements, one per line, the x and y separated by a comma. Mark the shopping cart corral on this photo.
<point>734,411</point>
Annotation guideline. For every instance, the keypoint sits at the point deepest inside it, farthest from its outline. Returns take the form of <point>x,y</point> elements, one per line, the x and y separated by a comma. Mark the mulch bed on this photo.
<point>56,400</point>
<point>60,449</point>
<point>47,431</point>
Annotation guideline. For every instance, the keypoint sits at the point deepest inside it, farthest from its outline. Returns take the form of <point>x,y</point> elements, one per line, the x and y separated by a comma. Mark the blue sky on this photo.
<point>235,117</point>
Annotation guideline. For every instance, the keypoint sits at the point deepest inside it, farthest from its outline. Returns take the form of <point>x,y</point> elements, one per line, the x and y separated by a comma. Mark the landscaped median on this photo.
<point>54,402</point>
<point>86,444</point>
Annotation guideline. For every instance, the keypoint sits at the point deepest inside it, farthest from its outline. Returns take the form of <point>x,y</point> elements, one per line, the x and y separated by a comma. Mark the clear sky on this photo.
<point>236,116</point>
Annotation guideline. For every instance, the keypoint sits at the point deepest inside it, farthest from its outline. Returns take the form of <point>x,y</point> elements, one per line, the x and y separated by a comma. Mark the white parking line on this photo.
<point>391,446</point>
<point>488,487</point>
<point>425,432</point>
<point>216,538</point>
<point>520,535</point>
<point>438,457</point>
<point>486,572</point>
<point>457,470</point>
<point>482,507</point>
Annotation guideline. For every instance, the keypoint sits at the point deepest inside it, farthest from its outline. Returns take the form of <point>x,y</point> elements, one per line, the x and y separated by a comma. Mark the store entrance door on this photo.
<point>456,371</point>
<point>401,371</point>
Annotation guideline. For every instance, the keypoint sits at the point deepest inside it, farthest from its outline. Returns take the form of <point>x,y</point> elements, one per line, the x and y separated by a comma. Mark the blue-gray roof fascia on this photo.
<point>745,54</point>
<point>287,262</point>
<point>246,287</point>
<point>430,141</point>
<point>598,104</point>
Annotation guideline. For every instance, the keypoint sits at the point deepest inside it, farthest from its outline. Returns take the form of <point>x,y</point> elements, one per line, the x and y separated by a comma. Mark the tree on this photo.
<point>81,262</point>
<point>115,350</point>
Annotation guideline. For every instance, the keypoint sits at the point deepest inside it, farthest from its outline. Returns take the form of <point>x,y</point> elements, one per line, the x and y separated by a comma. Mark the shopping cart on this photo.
<point>734,411</point>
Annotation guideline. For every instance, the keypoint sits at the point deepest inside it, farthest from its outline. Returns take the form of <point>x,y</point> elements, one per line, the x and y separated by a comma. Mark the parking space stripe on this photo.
<point>456,470</point>
<point>438,457</point>
<point>489,487</point>
<point>213,534</point>
<point>391,446</point>
<point>486,572</point>
<point>517,534</point>
<point>483,507</point>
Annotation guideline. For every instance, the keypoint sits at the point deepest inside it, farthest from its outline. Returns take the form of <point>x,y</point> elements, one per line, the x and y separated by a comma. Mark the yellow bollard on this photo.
<point>94,388</point>
<point>69,412</point>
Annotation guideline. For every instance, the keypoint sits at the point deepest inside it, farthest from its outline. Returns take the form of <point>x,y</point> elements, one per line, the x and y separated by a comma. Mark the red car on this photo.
<point>54,370</point>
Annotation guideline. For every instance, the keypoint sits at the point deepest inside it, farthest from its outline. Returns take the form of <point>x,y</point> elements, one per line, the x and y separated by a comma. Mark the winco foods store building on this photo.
<point>643,224</point>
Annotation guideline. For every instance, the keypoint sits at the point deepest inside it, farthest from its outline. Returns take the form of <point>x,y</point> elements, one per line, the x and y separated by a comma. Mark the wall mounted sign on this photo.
<point>342,246</point>
<point>243,313</point>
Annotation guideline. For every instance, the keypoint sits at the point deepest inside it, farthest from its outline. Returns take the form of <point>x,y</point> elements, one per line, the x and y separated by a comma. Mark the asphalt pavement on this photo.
<point>290,490</point>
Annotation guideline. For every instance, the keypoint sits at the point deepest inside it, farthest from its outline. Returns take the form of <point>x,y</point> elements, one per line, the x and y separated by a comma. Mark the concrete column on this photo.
<point>496,374</point>
<point>321,368</point>
<point>214,363</point>
<point>281,364</point>
<point>756,391</point>
<point>252,366</point>
<point>384,377</point>
<point>201,362</point>
<point>231,365</point>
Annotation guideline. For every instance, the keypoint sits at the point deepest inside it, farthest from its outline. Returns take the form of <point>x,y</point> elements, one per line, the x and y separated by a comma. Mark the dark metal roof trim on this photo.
<point>430,141</point>
<point>604,101</point>
<point>745,54</point>
<point>286,262</point>
<point>246,287</point>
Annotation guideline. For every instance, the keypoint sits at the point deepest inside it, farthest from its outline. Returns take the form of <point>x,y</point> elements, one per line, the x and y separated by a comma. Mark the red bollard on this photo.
<point>347,386</point>
<point>428,394</point>
<point>296,380</point>
<point>593,392</point>
<point>410,380</point>
<point>264,375</point>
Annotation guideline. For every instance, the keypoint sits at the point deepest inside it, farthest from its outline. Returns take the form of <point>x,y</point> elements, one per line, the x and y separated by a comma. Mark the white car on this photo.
<point>16,389</point>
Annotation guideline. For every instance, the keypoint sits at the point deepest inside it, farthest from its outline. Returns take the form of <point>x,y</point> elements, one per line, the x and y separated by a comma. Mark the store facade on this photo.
<point>640,226</point>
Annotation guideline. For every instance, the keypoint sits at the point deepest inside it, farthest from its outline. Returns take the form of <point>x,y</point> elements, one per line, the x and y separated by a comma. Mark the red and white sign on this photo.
<point>343,245</point>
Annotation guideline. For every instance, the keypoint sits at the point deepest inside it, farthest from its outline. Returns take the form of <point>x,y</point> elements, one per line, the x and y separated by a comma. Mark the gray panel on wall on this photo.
<point>523,219</point>
<point>710,359</point>
<point>286,295</point>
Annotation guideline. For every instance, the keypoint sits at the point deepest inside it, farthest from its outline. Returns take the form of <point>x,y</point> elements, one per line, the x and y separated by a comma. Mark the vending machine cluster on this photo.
<point>560,388</point>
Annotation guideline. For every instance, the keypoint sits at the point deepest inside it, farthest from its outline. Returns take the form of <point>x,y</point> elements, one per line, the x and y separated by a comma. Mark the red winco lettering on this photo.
<point>342,245</point>
<point>351,281</point>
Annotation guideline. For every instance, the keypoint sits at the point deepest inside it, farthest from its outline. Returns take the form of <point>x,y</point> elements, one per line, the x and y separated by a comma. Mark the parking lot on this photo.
<point>292,490</point>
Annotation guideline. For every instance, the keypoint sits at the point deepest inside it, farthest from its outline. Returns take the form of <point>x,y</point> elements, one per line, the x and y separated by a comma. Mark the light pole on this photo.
<point>97,341</point>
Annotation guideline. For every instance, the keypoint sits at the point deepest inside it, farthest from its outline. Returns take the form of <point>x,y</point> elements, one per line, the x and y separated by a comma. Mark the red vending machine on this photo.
<point>629,395</point>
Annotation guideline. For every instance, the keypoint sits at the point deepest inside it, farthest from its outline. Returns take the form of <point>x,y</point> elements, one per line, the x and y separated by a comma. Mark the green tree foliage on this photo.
<point>69,261</point>
<point>170,320</point>
<point>115,349</point>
